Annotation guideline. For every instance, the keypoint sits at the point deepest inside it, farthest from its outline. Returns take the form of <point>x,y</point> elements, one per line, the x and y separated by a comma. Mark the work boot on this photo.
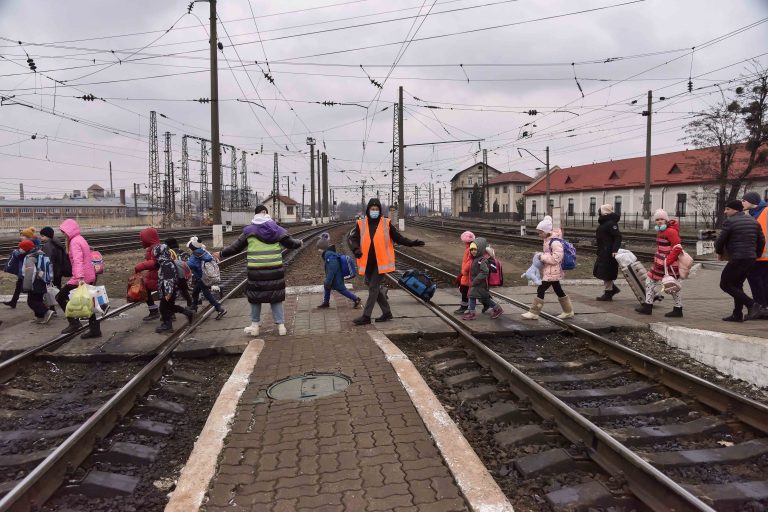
<point>644,308</point>
<point>534,310</point>
<point>252,330</point>
<point>754,311</point>
<point>74,325</point>
<point>606,296</point>
<point>362,320</point>
<point>677,312</point>
<point>93,332</point>
<point>565,303</point>
<point>154,314</point>
<point>384,317</point>
<point>460,311</point>
<point>10,304</point>
<point>496,313</point>
<point>615,290</point>
<point>164,327</point>
<point>281,330</point>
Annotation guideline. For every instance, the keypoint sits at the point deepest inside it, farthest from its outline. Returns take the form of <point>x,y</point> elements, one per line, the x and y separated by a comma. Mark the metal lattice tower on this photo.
<point>275,190</point>
<point>169,194</point>
<point>395,155</point>
<point>204,199</point>
<point>154,165</point>
<point>234,191</point>
<point>243,181</point>
<point>186,204</point>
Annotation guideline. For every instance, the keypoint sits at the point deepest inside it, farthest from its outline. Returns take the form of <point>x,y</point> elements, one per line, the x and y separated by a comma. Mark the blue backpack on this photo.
<point>348,266</point>
<point>569,254</point>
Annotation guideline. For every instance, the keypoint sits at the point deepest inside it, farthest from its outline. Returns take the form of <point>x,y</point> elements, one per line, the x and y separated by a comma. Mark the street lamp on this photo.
<point>546,165</point>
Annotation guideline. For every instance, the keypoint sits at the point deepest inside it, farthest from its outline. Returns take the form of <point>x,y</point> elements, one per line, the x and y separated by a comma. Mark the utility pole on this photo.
<point>362,195</point>
<point>244,202</point>
<point>154,166</point>
<point>319,186</point>
<point>400,162</point>
<point>186,205</point>
<point>302,201</point>
<point>440,200</point>
<point>21,191</point>
<point>395,167</point>
<point>549,207</point>
<point>136,199</point>
<point>218,238</point>
<point>311,144</point>
<point>111,187</point>
<point>275,190</point>
<point>647,194</point>
<point>326,212</point>
<point>486,189</point>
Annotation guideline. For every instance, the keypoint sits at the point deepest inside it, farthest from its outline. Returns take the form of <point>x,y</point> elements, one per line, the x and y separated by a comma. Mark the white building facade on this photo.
<point>463,183</point>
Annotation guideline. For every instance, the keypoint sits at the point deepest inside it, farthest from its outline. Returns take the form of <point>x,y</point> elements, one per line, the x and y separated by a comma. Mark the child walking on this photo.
<point>478,289</point>
<point>466,266</point>
<point>551,271</point>
<point>180,258</point>
<point>167,286</point>
<point>334,277</point>
<point>196,261</point>
<point>37,274</point>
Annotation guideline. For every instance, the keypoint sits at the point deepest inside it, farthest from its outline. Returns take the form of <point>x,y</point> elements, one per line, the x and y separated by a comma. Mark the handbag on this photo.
<point>669,282</point>
<point>684,262</point>
<point>49,299</point>
<point>137,290</point>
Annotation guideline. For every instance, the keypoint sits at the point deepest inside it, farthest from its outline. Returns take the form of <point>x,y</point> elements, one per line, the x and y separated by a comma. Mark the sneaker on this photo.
<point>468,315</point>
<point>221,314</point>
<point>754,311</point>
<point>358,302</point>
<point>733,318</point>
<point>252,330</point>
<point>153,315</point>
<point>496,313</point>
<point>47,318</point>
<point>324,305</point>
<point>281,330</point>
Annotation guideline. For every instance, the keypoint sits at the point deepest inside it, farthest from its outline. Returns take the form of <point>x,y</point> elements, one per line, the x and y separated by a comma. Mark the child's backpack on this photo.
<point>137,290</point>
<point>348,266</point>
<point>38,273</point>
<point>684,263</point>
<point>211,273</point>
<point>569,254</point>
<point>495,273</point>
<point>97,260</point>
<point>13,265</point>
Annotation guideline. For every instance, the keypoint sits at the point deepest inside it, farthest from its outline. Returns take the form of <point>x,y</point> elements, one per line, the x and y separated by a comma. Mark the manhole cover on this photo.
<point>308,386</point>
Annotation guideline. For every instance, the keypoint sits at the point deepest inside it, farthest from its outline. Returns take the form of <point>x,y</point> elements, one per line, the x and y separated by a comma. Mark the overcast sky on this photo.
<point>484,63</point>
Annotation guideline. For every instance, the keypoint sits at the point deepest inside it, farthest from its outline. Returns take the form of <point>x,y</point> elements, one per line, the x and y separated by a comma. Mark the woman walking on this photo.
<point>82,271</point>
<point>608,242</point>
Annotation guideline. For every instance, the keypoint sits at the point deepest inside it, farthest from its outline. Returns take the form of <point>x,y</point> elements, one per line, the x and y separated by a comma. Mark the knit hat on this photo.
<point>26,245</point>
<point>172,243</point>
<point>660,214</point>
<point>606,209</point>
<point>735,205</point>
<point>545,225</point>
<point>490,252</point>
<point>194,243</point>
<point>472,245</point>
<point>28,232</point>
<point>324,241</point>
<point>261,209</point>
<point>47,231</point>
<point>752,198</point>
<point>467,237</point>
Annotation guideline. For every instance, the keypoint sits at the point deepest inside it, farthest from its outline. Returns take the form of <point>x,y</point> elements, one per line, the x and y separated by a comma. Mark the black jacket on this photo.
<point>608,242</point>
<point>740,237</point>
<point>354,242</point>
<point>59,260</point>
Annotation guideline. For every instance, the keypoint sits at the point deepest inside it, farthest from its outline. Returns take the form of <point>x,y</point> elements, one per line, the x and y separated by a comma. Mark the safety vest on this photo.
<point>385,249</point>
<point>261,254</point>
<point>762,219</point>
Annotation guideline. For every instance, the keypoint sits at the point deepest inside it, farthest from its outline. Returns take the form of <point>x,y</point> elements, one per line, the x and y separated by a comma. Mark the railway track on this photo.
<point>37,463</point>
<point>614,427</point>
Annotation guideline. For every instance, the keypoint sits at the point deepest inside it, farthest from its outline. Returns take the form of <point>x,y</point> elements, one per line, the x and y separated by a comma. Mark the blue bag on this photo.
<point>419,284</point>
<point>348,266</point>
<point>569,254</point>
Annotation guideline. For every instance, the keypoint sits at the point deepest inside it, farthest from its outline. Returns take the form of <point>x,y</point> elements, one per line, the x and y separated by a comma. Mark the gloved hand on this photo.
<point>358,253</point>
<point>418,243</point>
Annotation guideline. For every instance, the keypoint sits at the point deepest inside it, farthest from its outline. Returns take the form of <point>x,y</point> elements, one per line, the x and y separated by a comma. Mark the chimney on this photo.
<point>21,191</point>
<point>122,196</point>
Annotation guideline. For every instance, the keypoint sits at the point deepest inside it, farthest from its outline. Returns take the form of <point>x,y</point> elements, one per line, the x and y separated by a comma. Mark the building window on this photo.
<point>533,208</point>
<point>469,180</point>
<point>289,210</point>
<point>54,210</point>
<point>519,189</point>
<point>10,210</point>
<point>504,189</point>
<point>617,205</point>
<point>25,210</point>
<point>570,207</point>
<point>592,206</point>
<point>551,204</point>
<point>682,199</point>
<point>496,190</point>
<point>67,210</point>
<point>39,210</point>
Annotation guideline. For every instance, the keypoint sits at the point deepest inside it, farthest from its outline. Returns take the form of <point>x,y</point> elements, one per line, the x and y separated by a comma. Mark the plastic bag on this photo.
<point>49,299</point>
<point>625,258</point>
<point>100,298</point>
<point>137,290</point>
<point>80,303</point>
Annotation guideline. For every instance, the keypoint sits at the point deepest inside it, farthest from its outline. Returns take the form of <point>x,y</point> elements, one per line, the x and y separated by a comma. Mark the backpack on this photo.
<point>13,265</point>
<point>97,260</point>
<point>684,263</point>
<point>569,254</point>
<point>34,265</point>
<point>495,273</point>
<point>348,266</point>
<point>137,290</point>
<point>211,273</point>
<point>419,284</point>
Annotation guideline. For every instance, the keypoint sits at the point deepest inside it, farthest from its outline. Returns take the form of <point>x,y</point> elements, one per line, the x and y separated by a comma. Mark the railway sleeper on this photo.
<point>122,452</point>
<point>666,407</point>
<point>579,377</point>
<point>526,434</point>
<point>453,364</point>
<point>644,435</point>
<point>102,484</point>
<point>552,461</point>
<point>445,353</point>
<point>465,378</point>
<point>504,412</point>
<point>736,454</point>
<point>586,497</point>
<point>731,497</point>
<point>632,390</point>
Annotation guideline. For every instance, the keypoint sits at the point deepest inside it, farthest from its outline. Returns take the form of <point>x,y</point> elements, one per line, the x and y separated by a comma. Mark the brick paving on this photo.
<point>364,449</point>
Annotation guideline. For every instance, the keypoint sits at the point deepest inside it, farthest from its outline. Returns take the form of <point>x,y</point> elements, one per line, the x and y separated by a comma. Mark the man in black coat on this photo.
<point>608,243</point>
<point>740,240</point>
<point>58,254</point>
<point>364,241</point>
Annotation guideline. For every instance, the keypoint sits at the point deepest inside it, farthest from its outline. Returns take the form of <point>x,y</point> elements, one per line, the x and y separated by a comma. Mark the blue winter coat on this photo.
<point>196,261</point>
<point>334,277</point>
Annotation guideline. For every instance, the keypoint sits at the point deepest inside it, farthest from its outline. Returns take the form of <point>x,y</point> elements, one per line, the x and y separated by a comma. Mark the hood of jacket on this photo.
<point>374,201</point>
<point>757,210</point>
<point>70,227</point>
<point>331,248</point>
<point>556,233</point>
<point>161,252</point>
<point>149,237</point>
<point>611,216</point>
<point>268,231</point>
<point>481,243</point>
<point>673,224</point>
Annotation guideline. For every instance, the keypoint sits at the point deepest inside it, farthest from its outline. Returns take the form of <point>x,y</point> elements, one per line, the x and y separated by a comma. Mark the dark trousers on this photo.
<point>206,291</point>
<point>63,298</point>
<point>758,282</point>
<point>464,290</point>
<point>732,282</point>
<point>17,291</point>
<point>36,304</point>
<point>183,285</point>
<point>168,308</point>
<point>348,294</point>
<point>544,286</point>
<point>377,294</point>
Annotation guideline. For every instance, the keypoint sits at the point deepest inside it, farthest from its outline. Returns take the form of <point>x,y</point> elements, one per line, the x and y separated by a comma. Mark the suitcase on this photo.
<point>635,274</point>
<point>419,284</point>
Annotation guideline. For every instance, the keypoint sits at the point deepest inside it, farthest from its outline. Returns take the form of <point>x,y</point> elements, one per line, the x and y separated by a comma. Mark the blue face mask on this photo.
<point>660,228</point>
<point>373,214</point>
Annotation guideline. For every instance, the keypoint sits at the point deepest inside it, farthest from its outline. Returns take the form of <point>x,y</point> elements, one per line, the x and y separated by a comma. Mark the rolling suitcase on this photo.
<point>419,284</point>
<point>635,274</point>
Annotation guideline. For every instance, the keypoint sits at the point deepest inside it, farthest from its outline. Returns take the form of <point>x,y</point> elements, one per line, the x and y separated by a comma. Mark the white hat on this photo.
<point>545,225</point>
<point>194,243</point>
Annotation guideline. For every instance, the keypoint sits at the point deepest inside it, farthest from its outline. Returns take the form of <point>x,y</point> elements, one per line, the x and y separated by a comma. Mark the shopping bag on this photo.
<point>49,299</point>
<point>80,303</point>
<point>137,290</point>
<point>100,298</point>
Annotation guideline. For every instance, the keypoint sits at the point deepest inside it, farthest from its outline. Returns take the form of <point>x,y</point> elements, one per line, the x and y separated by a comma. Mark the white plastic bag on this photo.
<point>100,298</point>
<point>625,258</point>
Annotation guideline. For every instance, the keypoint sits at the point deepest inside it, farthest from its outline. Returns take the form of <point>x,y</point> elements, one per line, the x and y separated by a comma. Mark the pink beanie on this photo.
<point>467,237</point>
<point>660,214</point>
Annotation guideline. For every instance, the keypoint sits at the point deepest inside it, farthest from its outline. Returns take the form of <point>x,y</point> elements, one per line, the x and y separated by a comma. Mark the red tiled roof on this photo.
<point>283,199</point>
<point>510,177</point>
<point>691,166</point>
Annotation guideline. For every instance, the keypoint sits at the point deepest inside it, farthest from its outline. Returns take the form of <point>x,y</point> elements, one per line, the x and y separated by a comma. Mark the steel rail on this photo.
<point>47,476</point>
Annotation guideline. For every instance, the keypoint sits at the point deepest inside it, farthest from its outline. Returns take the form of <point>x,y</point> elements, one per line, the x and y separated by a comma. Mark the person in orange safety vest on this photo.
<point>758,275</point>
<point>372,242</point>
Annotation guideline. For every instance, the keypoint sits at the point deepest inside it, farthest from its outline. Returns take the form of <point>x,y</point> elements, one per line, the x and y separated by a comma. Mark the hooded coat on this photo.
<point>265,284</point>
<point>478,286</point>
<point>355,244</point>
<point>79,253</point>
<point>666,252</point>
<point>149,239</point>
<point>167,271</point>
<point>552,257</point>
<point>757,210</point>
<point>57,253</point>
<point>608,242</point>
<point>334,277</point>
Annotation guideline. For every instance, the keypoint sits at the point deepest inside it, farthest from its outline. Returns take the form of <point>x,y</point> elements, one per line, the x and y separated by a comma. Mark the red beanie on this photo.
<point>26,245</point>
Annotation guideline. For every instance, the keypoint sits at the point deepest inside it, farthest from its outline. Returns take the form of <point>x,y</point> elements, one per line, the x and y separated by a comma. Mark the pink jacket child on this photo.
<point>551,271</point>
<point>79,254</point>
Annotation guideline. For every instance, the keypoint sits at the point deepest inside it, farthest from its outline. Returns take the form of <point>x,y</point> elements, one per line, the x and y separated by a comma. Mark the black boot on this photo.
<point>164,327</point>
<point>606,296</point>
<point>733,318</point>
<point>362,320</point>
<point>675,313</point>
<point>460,311</point>
<point>615,290</point>
<point>384,317</point>
<point>644,309</point>
<point>754,311</point>
<point>93,332</point>
<point>190,314</point>
<point>154,314</point>
<point>10,304</point>
<point>74,325</point>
